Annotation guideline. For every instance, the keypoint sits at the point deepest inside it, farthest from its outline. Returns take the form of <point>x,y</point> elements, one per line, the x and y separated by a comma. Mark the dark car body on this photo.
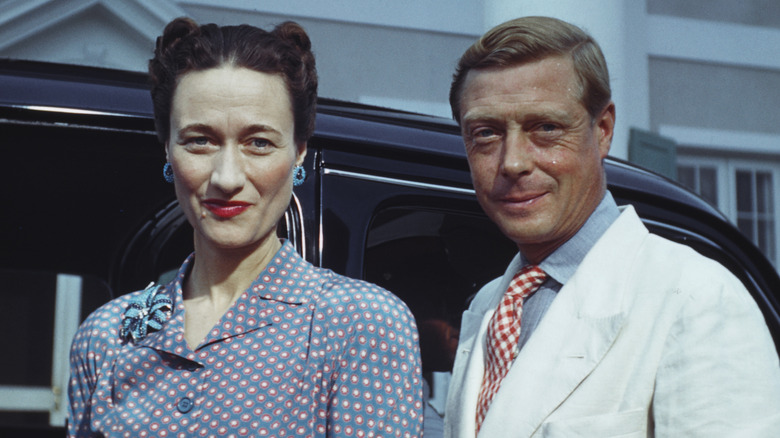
<point>87,216</point>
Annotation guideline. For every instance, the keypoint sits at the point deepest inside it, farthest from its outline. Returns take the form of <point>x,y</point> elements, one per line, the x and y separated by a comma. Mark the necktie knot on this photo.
<point>526,281</point>
<point>503,333</point>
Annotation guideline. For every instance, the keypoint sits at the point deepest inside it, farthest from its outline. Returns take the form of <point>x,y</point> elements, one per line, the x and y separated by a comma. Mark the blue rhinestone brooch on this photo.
<point>146,313</point>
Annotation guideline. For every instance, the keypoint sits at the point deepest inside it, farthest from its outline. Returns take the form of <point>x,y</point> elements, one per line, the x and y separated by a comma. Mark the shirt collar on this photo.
<point>563,262</point>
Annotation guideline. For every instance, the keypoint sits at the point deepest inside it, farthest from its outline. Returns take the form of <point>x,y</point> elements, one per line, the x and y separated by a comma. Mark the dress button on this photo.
<point>184,405</point>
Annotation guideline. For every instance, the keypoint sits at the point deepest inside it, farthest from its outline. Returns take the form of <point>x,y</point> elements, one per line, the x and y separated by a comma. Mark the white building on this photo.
<point>704,74</point>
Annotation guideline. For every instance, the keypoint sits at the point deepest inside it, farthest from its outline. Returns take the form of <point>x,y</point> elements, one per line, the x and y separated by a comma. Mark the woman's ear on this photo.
<point>302,148</point>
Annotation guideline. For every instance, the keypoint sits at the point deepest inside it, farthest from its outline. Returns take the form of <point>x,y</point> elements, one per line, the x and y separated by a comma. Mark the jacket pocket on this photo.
<point>626,424</point>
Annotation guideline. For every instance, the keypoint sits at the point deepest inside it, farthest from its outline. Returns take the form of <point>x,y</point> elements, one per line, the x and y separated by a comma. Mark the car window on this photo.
<point>435,260</point>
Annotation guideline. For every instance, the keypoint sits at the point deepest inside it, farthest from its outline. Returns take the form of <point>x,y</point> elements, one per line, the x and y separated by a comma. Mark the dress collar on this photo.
<point>287,279</point>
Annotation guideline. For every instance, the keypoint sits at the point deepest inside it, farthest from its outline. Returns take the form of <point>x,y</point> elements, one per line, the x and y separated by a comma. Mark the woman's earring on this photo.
<point>299,175</point>
<point>168,172</point>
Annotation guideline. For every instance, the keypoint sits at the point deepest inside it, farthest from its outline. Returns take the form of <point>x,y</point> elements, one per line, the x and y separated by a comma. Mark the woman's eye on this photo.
<point>260,143</point>
<point>197,141</point>
<point>260,146</point>
<point>196,144</point>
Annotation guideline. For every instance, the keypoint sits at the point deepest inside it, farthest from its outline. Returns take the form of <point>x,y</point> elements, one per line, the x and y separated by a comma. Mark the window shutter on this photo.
<point>653,152</point>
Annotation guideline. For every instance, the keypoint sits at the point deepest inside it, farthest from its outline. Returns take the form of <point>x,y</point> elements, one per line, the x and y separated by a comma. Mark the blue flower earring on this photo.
<point>299,175</point>
<point>168,172</point>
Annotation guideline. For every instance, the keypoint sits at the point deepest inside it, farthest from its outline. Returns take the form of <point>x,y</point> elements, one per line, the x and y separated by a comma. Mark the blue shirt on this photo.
<point>563,262</point>
<point>304,352</point>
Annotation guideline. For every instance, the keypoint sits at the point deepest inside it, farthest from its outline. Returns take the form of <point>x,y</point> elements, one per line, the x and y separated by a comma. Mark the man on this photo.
<point>623,333</point>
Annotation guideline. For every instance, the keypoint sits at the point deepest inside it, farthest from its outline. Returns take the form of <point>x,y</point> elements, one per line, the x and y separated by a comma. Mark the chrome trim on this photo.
<point>298,239</point>
<point>400,182</point>
<point>68,110</point>
<point>320,235</point>
<point>75,126</point>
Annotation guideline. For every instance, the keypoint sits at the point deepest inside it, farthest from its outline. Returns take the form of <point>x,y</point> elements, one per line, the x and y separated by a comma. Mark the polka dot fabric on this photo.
<point>304,352</point>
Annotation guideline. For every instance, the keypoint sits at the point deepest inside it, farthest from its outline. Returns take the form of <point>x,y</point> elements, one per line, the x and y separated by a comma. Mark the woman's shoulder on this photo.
<point>103,324</point>
<point>347,292</point>
<point>114,308</point>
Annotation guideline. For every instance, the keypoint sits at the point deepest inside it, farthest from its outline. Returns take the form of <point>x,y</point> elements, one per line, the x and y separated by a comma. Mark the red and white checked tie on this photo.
<point>502,334</point>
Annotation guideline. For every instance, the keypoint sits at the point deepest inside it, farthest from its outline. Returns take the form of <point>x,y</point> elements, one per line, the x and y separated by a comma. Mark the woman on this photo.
<point>249,339</point>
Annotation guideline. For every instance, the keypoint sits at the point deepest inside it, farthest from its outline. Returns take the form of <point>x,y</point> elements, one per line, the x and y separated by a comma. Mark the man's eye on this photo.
<point>200,141</point>
<point>548,127</point>
<point>484,133</point>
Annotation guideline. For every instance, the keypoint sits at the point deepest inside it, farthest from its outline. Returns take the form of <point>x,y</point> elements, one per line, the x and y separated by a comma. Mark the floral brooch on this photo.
<point>146,313</point>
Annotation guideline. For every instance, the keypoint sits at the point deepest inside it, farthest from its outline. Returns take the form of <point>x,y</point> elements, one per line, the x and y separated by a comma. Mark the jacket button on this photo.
<point>184,405</point>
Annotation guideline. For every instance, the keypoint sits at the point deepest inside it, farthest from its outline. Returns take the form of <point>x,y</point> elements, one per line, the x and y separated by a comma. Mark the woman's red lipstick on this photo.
<point>225,209</point>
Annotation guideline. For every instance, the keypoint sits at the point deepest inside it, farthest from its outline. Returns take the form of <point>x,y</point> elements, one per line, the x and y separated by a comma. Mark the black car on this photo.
<point>388,198</point>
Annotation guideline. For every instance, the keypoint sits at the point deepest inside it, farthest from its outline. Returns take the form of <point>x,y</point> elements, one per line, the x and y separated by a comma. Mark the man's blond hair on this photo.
<point>531,39</point>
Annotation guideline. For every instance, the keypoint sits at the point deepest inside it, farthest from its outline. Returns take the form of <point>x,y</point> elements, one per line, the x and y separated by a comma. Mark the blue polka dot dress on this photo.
<point>304,352</point>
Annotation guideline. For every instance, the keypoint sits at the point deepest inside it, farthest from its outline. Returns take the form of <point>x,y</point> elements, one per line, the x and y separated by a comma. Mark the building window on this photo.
<point>702,179</point>
<point>742,189</point>
<point>756,209</point>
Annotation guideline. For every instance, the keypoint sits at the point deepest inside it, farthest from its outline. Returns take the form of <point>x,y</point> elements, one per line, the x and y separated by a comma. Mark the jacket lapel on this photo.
<point>578,329</point>
<point>469,366</point>
<point>561,353</point>
<point>467,372</point>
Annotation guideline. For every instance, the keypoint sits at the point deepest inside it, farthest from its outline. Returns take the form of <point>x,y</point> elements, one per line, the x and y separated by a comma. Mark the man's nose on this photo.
<point>517,155</point>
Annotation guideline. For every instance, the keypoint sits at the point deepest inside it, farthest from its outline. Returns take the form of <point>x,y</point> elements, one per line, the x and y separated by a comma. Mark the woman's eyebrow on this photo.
<point>197,127</point>
<point>252,129</point>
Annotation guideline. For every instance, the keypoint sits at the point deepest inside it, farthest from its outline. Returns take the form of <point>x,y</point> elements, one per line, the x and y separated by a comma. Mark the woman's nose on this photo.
<point>228,173</point>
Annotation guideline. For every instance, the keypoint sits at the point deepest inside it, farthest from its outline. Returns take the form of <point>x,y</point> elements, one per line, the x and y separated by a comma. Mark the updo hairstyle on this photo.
<point>185,47</point>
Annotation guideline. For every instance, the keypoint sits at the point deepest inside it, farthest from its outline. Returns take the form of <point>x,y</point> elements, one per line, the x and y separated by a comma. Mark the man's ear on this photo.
<point>605,129</point>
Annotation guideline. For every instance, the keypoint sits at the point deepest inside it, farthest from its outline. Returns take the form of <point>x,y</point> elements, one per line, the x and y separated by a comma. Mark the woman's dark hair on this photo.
<point>185,47</point>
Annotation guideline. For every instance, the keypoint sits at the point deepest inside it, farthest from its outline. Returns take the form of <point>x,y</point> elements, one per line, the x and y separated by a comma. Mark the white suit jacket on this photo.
<point>648,338</point>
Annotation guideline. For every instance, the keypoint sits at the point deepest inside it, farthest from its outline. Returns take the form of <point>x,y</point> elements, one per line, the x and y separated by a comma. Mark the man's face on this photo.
<point>534,151</point>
